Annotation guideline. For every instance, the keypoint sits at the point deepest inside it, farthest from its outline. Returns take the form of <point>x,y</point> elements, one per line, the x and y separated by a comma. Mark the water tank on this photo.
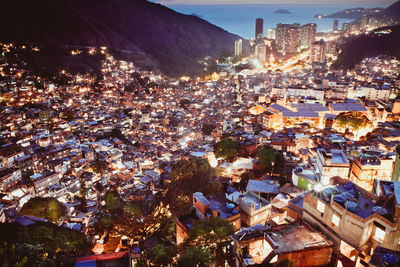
<point>230,206</point>
<point>347,195</point>
<point>352,206</point>
<point>391,259</point>
<point>379,210</point>
<point>339,198</point>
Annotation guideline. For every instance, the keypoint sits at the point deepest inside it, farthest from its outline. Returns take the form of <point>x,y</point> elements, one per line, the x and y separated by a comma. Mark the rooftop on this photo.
<point>262,187</point>
<point>358,201</point>
<point>295,237</point>
<point>334,155</point>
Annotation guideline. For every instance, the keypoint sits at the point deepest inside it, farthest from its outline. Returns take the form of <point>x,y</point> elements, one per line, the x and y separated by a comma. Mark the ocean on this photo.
<point>240,19</point>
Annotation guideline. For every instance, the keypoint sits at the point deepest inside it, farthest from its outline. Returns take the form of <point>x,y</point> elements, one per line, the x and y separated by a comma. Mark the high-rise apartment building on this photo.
<point>259,28</point>
<point>335,25</point>
<point>363,22</point>
<point>318,51</point>
<point>271,34</point>
<point>261,53</point>
<point>308,32</point>
<point>287,37</point>
<point>238,47</point>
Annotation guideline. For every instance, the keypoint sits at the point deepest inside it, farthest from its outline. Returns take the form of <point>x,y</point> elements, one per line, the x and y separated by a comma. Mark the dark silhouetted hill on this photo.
<point>390,15</point>
<point>391,12</point>
<point>149,34</point>
<point>383,41</point>
<point>354,13</point>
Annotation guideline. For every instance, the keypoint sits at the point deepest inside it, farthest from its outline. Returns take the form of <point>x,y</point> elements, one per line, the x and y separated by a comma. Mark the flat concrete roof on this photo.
<point>262,187</point>
<point>297,237</point>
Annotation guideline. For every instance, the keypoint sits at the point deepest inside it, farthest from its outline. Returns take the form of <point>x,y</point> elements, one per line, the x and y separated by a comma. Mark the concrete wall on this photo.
<point>314,257</point>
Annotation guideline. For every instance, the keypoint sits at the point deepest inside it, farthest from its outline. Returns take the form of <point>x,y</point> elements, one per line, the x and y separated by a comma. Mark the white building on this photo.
<point>238,48</point>
<point>374,93</point>
<point>332,163</point>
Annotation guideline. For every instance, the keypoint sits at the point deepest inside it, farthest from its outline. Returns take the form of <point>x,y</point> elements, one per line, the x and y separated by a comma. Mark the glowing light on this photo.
<point>185,78</point>
<point>212,160</point>
<point>318,187</point>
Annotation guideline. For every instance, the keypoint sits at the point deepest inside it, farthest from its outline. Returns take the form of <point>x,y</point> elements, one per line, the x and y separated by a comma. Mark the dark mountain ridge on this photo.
<point>382,41</point>
<point>149,34</point>
<point>354,13</point>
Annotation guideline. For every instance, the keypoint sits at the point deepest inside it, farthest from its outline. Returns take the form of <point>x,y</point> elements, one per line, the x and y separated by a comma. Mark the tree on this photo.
<point>279,167</point>
<point>187,177</point>
<point>244,179</point>
<point>45,241</point>
<point>82,194</point>
<point>183,103</point>
<point>353,120</point>
<point>116,133</point>
<point>266,156</point>
<point>99,166</point>
<point>226,149</point>
<point>69,115</point>
<point>195,257</point>
<point>213,234</point>
<point>208,128</point>
<point>9,256</point>
<point>161,255</point>
<point>136,219</point>
<point>99,188</point>
<point>48,208</point>
<point>112,200</point>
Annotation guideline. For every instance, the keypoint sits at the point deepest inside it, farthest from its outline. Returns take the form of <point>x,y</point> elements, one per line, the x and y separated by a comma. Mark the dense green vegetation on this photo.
<point>226,149</point>
<point>195,257</point>
<point>137,219</point>
<point>187,177</point>
<point>47,208</point>
<point>9,257</point>
<point>352,120</point>
<point>211,234</point>
<point>149,34</point>
<point>208,128</point>
<point>40,243</point>
<point>112,200</point>
<point>266,156</point>
<point>355,49</point>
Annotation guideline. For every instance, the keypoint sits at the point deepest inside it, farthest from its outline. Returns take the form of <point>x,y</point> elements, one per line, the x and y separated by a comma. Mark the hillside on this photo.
<point>383,41</point>
<point>354,13</point>
<point>150,34</point>
<point>392,12</point>
<point>390,15</point>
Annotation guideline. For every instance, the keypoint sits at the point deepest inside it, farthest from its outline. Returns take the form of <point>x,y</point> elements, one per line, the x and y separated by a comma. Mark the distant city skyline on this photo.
<point>380,3</point>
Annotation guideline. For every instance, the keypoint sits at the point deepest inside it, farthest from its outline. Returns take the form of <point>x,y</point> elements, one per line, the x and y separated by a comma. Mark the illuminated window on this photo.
<point>379,234</point>
<point>335,220</point>
<point>320,206</point>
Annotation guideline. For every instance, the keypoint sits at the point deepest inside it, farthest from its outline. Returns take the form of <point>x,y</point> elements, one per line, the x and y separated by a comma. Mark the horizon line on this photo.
<point>359,3</point>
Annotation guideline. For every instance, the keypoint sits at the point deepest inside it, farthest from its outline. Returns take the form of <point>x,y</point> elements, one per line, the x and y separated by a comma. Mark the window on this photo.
<point>335,220</point>
<point>379,234</point>
<point>320,206</point>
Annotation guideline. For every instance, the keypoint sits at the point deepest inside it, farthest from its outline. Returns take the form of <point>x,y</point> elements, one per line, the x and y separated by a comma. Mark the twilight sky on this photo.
<point>379,3</point>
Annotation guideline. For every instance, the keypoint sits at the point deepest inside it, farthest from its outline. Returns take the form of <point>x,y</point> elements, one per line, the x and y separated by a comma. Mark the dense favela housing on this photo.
<point>291,162</point>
